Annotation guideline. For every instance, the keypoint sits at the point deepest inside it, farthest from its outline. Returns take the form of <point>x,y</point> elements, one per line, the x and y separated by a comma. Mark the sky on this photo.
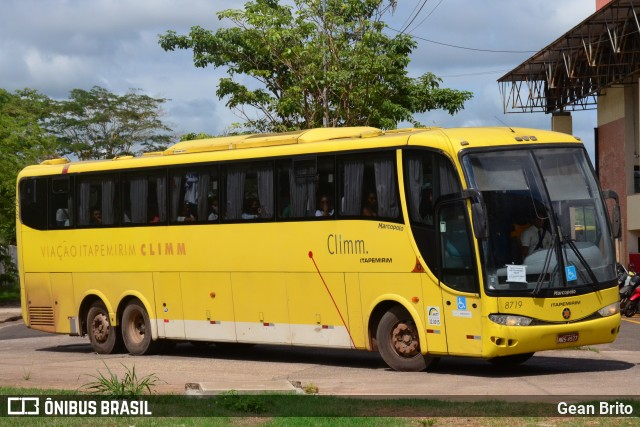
<point>55,46</point>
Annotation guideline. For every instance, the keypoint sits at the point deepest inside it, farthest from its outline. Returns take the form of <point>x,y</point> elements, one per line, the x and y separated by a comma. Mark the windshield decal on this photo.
<point>517,273</point>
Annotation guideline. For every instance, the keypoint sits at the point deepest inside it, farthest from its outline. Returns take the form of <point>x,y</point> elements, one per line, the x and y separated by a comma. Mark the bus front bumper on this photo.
<point>500,340</point>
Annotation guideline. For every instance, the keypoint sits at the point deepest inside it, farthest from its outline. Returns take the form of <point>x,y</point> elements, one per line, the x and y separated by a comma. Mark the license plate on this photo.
<point>565,338</point>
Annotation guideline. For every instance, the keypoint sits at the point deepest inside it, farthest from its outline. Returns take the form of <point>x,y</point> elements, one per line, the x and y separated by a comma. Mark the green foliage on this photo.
<point>319,61</point>
<point>233,401</point>
<point>98,124</point>
<point>129,386</point>
<point>10,293</point>
<point>9,269</point>
<point>91,124</point>
<point>23,141</point>
<point>193,136</point>
<point>311,388</point>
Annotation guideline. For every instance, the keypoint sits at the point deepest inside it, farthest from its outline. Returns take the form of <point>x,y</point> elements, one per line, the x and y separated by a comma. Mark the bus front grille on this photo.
<point>41,318</point>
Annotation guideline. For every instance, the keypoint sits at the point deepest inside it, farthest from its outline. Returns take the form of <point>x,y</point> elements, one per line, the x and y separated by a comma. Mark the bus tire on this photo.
<point>104,337</point>
<point>398,342</point>
<point>136,329</point>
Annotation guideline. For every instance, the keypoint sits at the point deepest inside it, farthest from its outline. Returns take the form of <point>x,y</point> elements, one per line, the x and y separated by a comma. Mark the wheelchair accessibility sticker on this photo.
<point>571,273</point>
<point>462,311</point>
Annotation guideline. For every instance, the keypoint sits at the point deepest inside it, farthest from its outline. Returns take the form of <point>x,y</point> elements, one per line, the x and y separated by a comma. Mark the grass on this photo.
<point>311,388</point>
<point>127,386</point>
<point>308,410</point>
<point>26,374</point>
<point>9,294</point>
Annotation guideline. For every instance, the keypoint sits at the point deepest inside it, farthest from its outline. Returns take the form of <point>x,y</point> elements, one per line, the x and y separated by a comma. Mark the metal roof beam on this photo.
<point>568,74</point>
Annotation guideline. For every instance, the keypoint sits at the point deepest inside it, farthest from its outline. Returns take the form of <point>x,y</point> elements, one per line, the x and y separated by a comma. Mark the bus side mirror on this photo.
<point>478,213</point>
<point>616,223</point>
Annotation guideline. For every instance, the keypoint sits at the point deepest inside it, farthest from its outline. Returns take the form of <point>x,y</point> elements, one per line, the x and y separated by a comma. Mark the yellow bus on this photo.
<point>401,242</point>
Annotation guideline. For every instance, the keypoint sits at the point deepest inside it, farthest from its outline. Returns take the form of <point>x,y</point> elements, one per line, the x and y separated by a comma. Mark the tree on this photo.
<point>193,136</point>
<point>98,124</point>
<point>320,62</point>
<point>23,141</point>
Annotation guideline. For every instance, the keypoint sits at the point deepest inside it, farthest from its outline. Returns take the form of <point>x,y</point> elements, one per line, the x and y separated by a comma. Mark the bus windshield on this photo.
<point>548,230</point>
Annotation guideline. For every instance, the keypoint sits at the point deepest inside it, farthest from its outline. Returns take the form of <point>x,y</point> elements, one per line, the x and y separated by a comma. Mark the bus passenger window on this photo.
<point>428,176</point>
<point>194,195</point>
<point>368,187</point>
<point>96,201</point>
<point>33,203</point>
<point>60,203</point>
<point>145,199</point>
<point>249,191</point>
<point>302,184</point>
<point>184,196</point>
<point>297,187</point>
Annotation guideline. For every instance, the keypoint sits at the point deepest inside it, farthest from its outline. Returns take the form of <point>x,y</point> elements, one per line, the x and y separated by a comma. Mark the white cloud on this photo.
<point>55,46</point>
<point>54,69</point>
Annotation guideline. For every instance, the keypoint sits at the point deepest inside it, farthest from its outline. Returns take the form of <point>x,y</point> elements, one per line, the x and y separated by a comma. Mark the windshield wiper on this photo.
<point>545,266</point>
<point>595,284</point>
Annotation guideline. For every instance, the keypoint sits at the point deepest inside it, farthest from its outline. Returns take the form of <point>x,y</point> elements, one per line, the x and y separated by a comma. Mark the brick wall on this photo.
<point>611,170</point>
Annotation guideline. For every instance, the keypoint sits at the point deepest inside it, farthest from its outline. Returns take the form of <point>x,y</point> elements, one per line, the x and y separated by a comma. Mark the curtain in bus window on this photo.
<point>448,181</point>
<point>385,188</point>
<point>203,190</point>
<point>68,221</point>
<point>139,193</point>
<point>108,197</point>
<point>353,180</point>
<point>415,178</point>
<point>303,190</point>
<point>235,192</point>
<point>84,195</point>
<point>265,189</point>
<point>161,194</point>
<point>176,208</point>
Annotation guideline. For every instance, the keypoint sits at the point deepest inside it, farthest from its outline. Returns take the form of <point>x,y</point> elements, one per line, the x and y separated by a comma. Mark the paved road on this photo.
<point>55,361</point>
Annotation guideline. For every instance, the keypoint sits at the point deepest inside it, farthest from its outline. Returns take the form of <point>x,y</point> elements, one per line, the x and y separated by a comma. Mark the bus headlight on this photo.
<point>610,310</point>
<point>510,320</point>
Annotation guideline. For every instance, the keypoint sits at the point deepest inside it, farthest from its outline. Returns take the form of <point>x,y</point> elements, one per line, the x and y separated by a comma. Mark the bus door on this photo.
<point>457,275</point>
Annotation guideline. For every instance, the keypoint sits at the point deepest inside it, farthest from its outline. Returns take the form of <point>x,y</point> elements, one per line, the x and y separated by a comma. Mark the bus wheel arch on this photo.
<point>374,321</point>
<point>136,327</point>
<point>394,332</point>
<point>105,337</point>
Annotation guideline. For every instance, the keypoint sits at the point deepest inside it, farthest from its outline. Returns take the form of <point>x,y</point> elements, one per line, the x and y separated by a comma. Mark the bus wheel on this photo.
<point>136,329</point>
<point>512,360</point>
<point>105,338</point>
<point>398,341</point>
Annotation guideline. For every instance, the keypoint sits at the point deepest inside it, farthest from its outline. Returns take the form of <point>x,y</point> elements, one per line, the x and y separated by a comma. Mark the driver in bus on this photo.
<point>536,237</point>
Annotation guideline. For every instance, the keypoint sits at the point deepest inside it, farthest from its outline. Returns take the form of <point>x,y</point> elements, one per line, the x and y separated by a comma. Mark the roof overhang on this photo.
<point>601,51</point>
